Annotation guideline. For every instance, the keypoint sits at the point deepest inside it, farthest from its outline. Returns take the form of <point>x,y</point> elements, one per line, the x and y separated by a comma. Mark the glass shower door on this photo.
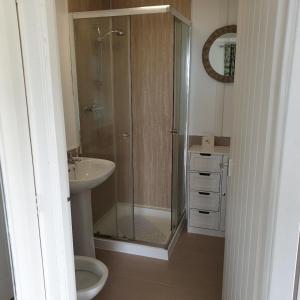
<point>123,127</point>
<point>103,81</point>
<point>180,119</point>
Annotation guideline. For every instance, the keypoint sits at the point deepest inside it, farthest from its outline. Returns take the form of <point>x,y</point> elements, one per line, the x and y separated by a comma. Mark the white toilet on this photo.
<point>91,275</point>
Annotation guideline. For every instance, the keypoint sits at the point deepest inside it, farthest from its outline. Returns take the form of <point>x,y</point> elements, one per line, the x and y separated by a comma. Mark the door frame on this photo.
<point>33,152</point>
<point>283,263</point>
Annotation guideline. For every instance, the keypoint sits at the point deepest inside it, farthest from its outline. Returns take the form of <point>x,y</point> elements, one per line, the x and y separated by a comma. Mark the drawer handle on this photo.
<point>205,154</point>
<point>203,212</point>
<point>204,174</point>
<point>204,193</point>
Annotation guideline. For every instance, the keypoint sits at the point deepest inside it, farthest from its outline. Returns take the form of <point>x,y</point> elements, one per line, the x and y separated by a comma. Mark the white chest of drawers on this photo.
<point>207,181</point>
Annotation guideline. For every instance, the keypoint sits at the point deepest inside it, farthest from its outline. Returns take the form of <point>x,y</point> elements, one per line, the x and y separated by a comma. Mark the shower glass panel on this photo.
<point>103,82</point>
<point>152,110</point>
<point>180,125</point>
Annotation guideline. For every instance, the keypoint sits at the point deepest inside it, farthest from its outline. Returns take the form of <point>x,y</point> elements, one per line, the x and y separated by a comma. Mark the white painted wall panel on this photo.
<point>16,163</point>
<point>256,149</point>
<point>286,225</point>
<point>48,144</point>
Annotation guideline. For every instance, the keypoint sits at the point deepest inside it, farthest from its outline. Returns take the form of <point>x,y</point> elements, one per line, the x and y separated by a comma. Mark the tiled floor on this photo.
<point>194,272</point>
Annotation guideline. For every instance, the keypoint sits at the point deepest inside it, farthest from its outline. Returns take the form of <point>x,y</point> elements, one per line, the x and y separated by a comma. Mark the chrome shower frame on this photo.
<point>133,246</point>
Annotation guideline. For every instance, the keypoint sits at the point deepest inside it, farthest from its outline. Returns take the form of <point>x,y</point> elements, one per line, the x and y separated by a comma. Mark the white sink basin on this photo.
<point>87,173</point>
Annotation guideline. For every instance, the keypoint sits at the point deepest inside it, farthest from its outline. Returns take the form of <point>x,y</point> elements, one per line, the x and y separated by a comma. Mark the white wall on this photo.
<point>211,110</point>
<point>70,110</point>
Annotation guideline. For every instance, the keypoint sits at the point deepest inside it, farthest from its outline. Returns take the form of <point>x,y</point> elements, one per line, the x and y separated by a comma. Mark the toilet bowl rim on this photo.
<point>100,283</point>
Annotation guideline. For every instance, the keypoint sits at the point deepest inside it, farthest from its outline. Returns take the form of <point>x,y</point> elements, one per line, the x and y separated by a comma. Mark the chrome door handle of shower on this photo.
<point>174,131</point>
<point>92,108</point>
<point>125,135</point>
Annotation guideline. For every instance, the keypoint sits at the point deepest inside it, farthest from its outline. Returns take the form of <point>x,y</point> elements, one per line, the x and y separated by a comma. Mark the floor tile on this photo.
<point>194,271</point>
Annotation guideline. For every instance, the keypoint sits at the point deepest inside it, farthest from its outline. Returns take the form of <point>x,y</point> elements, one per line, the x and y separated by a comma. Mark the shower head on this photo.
<point>100,37</point>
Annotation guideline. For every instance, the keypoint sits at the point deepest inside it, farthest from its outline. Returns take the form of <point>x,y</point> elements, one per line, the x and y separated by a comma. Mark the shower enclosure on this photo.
<point>131,81</point>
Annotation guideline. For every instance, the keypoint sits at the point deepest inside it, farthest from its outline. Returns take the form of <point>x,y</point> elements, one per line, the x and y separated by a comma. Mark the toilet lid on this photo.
<point>85,279</point>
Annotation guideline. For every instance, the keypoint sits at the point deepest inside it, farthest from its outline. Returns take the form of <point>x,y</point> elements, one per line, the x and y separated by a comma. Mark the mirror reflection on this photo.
<point>222,54</point>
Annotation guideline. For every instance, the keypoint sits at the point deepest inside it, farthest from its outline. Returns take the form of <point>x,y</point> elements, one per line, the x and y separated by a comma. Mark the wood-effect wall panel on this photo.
<point>86,5</point>
<point>152,108</point>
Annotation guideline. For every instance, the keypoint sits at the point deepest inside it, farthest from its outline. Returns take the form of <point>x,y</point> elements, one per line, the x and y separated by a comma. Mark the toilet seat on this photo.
<point>91,275</point>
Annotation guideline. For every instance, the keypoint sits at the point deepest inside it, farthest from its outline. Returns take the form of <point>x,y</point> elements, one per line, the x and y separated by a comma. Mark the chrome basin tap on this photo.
<point>73,159</point>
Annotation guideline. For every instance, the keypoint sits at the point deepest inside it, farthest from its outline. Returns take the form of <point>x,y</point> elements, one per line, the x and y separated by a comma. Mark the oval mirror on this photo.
<point>218,54</point>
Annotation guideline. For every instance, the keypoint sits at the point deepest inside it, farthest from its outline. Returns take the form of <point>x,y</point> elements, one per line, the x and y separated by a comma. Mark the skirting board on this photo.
<point>206,231</point>
<point>141,250</point>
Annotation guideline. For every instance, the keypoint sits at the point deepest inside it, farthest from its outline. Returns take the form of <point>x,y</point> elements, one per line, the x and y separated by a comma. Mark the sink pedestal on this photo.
<point>84,175</point>
<point>82,223</point>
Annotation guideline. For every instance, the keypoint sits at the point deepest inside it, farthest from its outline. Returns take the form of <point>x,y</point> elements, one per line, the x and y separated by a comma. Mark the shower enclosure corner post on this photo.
<point>188,93</point>
<point>181,118</point>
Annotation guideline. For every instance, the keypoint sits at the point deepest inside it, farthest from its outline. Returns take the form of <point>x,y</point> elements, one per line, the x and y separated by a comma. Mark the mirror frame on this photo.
<point>205,53</point>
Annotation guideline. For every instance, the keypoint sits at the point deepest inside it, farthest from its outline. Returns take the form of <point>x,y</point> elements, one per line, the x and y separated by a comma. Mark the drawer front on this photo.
<point>205,182</point>
<point>205,162</point>
<point>205,200</point>
<point>204,219</point>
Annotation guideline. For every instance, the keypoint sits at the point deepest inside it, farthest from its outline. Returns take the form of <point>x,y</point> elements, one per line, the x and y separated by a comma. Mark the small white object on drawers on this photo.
<point>207,190</point>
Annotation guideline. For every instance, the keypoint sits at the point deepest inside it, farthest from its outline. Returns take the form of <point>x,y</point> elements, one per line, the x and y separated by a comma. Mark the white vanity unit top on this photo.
<point>216,150</point>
